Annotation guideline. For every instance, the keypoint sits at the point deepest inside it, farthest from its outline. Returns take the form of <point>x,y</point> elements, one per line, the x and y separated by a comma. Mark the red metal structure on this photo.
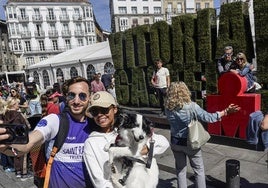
<point>232,89</point>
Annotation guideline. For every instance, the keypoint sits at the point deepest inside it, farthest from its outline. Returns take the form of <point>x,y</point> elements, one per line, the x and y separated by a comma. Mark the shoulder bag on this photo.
<point>197,135</point>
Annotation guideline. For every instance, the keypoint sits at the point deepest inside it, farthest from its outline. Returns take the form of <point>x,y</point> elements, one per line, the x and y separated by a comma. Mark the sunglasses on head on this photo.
<point>94,111</point>
<point>72,95</point>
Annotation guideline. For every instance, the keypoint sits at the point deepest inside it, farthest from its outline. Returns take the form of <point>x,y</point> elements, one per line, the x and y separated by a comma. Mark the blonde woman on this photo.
<point>178,111</point>
<point>13,116</point>
<point>245,69</point>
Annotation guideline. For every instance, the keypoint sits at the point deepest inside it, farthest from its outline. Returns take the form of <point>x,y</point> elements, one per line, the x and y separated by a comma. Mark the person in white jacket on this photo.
<point>96,158</point>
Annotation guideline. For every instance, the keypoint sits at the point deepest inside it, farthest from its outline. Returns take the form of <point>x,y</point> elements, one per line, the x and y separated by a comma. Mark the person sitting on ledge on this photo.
<point>244,69</point>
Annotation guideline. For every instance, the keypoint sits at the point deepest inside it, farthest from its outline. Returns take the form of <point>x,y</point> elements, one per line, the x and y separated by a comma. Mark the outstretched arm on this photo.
<point>264,123</point>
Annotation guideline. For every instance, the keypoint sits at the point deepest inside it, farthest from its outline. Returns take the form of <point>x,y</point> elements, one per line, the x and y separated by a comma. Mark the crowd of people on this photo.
<point>91,109</point>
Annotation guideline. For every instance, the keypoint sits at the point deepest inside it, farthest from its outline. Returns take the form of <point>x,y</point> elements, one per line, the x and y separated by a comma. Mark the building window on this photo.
<point>16,44</point>
<point>41,45</point>
<point>90,40</point>
<point>88,12</point>
<point>122,10</point>
<point>123,24</point>
<point>146,21</point>
<point>45,79</point>
<point>22,13</point>
<point>109,68</point>
<point>68,44</point>
<point>76,12</point>
<point>14,28</point>
<point>134,10</point>
<point>89,27</point>
<point>11,12</point>
<point>29,61</point>
<point>28,47</point>
<point>79,28</point>
<point>80,42</point>
<point>65,29</point>
<point>157,10</point>
<point>73,72</point>
<point>51,14</point>
<point>179,8</point>
<point>169,8</point>
<point>55,45</point>
<point>64,12</point>
<point>135,22</point>
<point>36,13</point>
<point>198,6</point>
<point>145,10</point>
<point>206,5</point>
<point>59,74</point>
<point>90,72</point>
<point>53,30</point>
<point>36,77</point>
<point>42,58</point>
<point>39,30</point>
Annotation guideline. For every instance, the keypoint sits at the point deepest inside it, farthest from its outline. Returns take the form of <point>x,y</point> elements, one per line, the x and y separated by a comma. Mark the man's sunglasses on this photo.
<point>94,111</point>
<point>71,96</point>
<point>228,54</point>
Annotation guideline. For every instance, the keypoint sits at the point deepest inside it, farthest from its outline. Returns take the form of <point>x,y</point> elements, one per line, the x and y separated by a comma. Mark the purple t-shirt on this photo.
<point>68,168</point>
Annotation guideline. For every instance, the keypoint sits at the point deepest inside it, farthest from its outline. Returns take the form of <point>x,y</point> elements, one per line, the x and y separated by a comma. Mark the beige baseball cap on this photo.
<point>102,99</point>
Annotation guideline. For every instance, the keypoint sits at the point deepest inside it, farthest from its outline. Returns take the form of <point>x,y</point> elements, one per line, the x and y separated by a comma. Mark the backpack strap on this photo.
<point>60,138</point>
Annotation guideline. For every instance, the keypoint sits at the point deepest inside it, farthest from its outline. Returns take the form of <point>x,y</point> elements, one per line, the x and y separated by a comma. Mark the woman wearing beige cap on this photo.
<point>104,109</point>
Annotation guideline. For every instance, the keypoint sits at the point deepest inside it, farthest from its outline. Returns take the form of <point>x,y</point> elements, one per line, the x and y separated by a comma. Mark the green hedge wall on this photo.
<point>190,48</point>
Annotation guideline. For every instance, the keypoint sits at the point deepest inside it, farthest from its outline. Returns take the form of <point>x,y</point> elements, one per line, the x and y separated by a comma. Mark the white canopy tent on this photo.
<point>80,60</point>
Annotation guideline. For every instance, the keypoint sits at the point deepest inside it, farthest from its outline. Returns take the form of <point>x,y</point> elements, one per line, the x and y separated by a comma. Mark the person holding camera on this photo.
<point>226,62</point>
<point>68,168</point>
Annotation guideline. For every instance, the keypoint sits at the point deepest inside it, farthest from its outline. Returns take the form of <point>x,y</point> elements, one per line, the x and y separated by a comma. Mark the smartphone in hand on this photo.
<point>18,134</point>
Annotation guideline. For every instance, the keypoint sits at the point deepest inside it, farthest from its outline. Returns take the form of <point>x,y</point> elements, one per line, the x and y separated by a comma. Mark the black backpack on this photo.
<point>39,162</point>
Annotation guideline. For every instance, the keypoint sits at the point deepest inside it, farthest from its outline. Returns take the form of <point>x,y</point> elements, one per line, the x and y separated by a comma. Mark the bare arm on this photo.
<point>264,123</point>
<point>168,81</point>
<point>35,140</point>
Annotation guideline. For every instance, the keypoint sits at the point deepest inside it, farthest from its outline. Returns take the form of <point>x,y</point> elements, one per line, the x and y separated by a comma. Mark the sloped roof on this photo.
<point>84,53</point>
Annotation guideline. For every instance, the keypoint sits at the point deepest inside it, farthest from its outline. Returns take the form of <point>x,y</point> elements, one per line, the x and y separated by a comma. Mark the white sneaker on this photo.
<point>257,86</point>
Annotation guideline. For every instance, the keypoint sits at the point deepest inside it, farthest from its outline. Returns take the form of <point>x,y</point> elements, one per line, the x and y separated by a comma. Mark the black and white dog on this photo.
<point>129,168</point>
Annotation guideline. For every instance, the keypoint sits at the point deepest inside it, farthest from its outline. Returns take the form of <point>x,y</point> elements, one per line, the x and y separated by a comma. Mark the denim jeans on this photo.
<point>35,107</point>
<point>6,161</point>
<point>196,161</point>
<point>161,94</point>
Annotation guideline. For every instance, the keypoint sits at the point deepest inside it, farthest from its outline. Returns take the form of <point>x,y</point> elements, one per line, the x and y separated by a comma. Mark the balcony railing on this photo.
<point>48,49</point>
<point>39,34</point>
<point>53,33</point>
<point>66,33</point>
<point>51,18</point>
<point>26,34</point>
<point>79,33</point>
<point>173,11</point>
<point>77,17</point>
<point>23,18</point>
<point>37,18</point>
<point>64,18</point>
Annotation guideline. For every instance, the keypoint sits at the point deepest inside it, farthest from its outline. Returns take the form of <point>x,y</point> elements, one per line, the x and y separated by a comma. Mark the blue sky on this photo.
<point>101,10</point>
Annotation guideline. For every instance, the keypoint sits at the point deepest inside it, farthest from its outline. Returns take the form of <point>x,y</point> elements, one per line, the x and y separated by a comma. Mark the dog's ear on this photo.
<point>147,126</point>
<point>121,119</point>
